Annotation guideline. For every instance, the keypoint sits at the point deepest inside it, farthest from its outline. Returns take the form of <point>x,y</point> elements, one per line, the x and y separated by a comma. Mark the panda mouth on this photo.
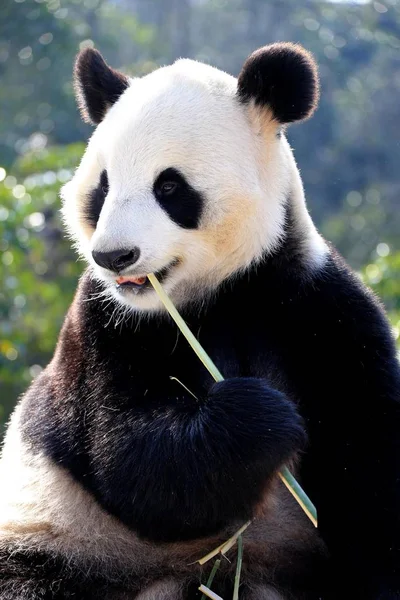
<point>139,283</point>
<point>136,282</point>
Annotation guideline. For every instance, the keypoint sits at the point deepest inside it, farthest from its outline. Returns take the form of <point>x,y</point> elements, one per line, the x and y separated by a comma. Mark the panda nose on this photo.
<point>116,260</point>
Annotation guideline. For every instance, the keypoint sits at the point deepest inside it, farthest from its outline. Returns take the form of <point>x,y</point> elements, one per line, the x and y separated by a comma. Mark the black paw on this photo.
<point>266,423</point>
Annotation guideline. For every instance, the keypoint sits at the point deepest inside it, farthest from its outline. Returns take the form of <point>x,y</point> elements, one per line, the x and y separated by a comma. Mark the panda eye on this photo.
<point>104,183</point>
<point>175,195</point>
<point>168,188</point>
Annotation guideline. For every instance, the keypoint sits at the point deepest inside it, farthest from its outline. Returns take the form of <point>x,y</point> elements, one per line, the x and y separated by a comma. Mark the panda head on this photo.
<point>188,172</point>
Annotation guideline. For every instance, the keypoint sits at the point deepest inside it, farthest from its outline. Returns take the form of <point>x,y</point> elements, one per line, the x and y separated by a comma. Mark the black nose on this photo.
<point>116,260</point>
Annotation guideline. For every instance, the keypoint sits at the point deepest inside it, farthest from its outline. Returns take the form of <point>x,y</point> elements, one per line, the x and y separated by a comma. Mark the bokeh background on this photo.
<point>348,153</point>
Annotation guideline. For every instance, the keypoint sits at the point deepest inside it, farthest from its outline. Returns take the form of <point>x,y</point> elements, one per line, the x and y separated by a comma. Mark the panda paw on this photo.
<point>262,419</point>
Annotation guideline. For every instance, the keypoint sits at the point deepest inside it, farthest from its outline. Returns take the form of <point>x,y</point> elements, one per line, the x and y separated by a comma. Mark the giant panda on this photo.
<point>124,463</point>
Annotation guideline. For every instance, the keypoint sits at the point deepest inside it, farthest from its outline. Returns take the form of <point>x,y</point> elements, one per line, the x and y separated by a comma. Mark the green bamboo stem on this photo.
<point>238,568</point>
<point>196,346</point>
<point>290,482</point>
<point>211,577</point>
<point>297,491</point>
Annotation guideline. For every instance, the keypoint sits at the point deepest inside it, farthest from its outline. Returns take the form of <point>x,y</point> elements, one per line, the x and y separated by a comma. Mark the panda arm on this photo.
<point>183,471</point>
<point>170,468</point>
<point>350,392</point>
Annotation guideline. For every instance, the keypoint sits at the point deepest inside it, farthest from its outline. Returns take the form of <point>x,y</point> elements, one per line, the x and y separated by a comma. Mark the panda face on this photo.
<point>181,178</point>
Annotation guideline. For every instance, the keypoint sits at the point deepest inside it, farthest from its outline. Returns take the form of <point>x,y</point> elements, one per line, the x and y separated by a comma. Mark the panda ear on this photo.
<point>282,77</point>
<point>97,86</point>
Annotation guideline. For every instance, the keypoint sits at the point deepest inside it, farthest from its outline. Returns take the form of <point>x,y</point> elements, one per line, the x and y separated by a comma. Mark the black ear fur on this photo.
<point>97,86</point>
<point>283,77</point>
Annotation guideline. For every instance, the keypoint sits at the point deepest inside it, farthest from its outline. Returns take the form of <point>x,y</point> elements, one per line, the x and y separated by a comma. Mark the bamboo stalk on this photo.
<point>210,555</point>
<point>209,593</point>
<point>297,491</point>
<point>290,482</point>
<point>238,568</point>
<point>232,541</point>
<point>212,575</point>
<point>196,346</point>
<point>225,546</point>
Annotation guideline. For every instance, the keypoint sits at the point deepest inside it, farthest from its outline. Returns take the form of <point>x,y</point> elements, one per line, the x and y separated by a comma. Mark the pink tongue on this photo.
<point>137,280</point>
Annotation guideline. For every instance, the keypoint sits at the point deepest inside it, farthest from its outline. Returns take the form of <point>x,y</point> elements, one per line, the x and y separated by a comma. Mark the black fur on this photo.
<point>97,86</point>
<point>95,200</point>
<point>283,77</point>
<point>175,468</point>
<point>184,204</point>
<point>182,451</point>
<point>39,576</point>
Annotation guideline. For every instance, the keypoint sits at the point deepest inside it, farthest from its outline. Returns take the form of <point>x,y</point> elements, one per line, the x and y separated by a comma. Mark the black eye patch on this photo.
<point>96,199</point>
<point>178,198</point>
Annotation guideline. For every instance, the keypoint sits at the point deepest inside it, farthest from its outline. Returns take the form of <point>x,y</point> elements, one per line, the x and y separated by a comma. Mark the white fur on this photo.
<point>314,246</point>
<point>187,116</point>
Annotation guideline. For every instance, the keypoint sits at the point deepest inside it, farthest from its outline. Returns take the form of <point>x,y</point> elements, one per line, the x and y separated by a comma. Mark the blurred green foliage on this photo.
<point>348,152</point>
<point>38,269</point>
<point>383,276</point>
